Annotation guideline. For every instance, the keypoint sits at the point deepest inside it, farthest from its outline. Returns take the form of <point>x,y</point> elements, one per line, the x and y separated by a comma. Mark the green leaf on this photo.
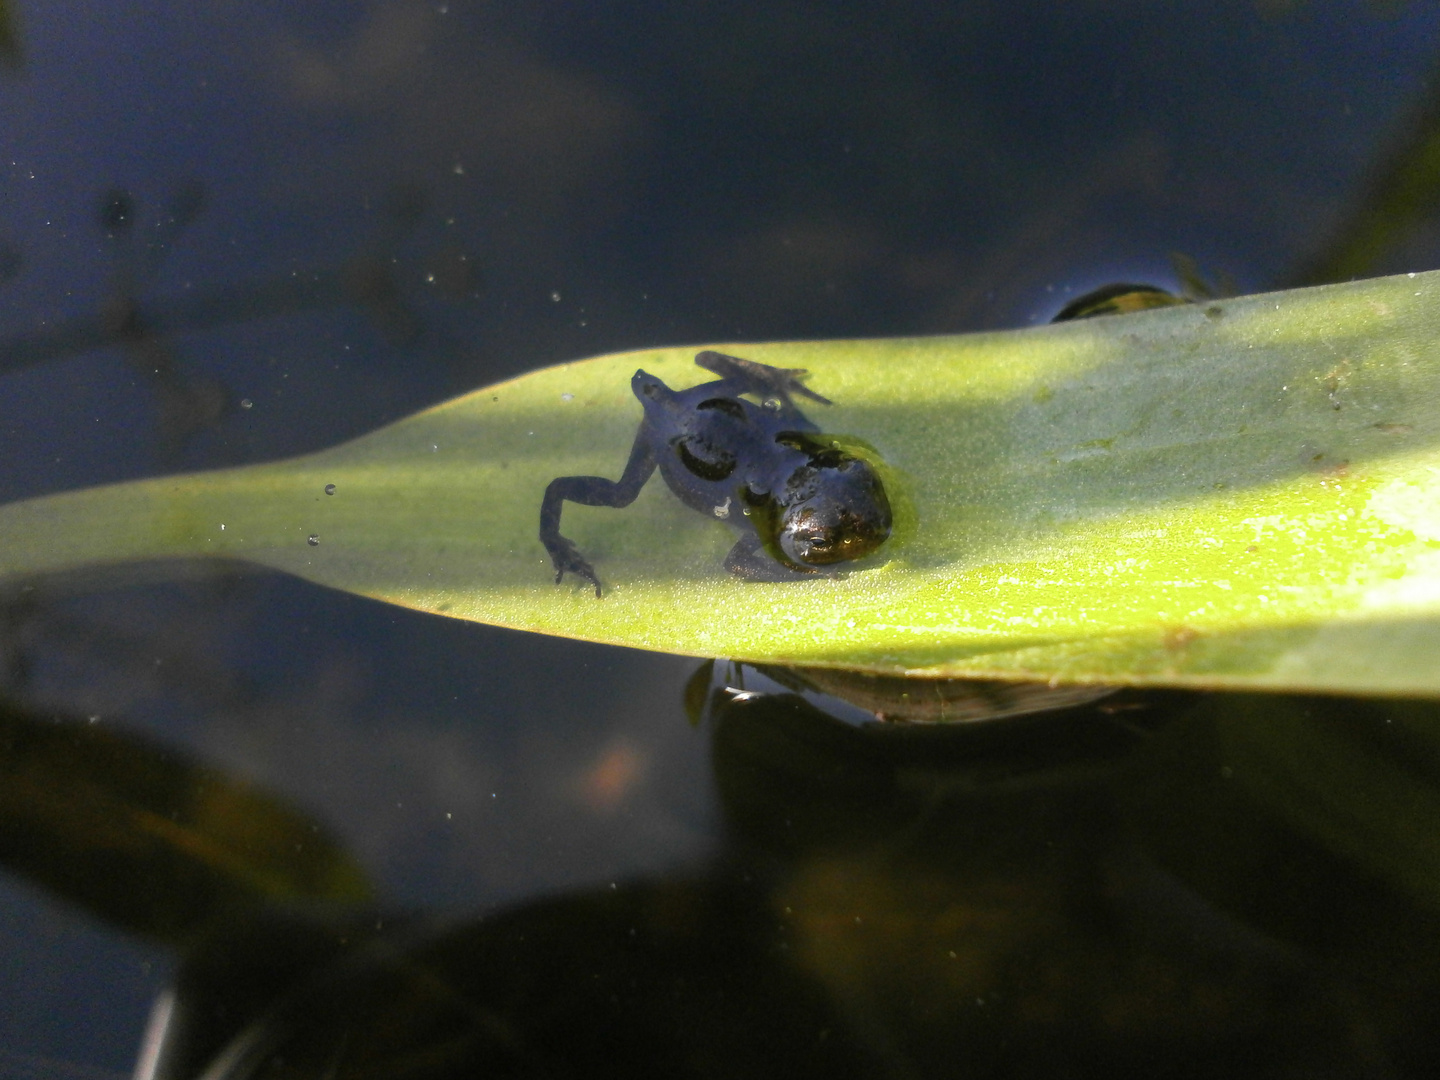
<point>1243,493</point>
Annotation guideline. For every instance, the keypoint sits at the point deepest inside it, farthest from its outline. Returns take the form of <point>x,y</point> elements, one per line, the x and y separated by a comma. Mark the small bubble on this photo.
<point>93,718</point>
<point>329,490</point>
<point>458,169</point>
<point>567,397</point>
<point>555,296</point>
<point>773,404</point>
<point>313,540</point>
<point>246,403</point>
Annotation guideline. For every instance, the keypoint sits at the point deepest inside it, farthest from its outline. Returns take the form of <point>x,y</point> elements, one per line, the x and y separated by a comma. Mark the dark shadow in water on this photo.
<point>1151,884</point>
<point>1165,884</point>
<point>1398,197</point>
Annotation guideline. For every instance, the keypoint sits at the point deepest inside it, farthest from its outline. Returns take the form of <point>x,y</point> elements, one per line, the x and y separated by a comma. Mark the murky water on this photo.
<point>232,234</point>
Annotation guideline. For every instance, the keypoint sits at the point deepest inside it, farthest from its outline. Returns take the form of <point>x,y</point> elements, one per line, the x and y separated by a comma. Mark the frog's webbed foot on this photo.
<point>748,559</point>
<point>567,557</point>
<point>762,380</point>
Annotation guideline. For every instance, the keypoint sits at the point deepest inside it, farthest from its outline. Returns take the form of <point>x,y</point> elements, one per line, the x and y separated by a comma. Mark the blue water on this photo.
<point>615,176</point>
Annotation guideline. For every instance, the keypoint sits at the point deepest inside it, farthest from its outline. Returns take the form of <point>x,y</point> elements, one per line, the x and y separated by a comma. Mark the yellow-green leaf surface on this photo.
<point>1244,493</point>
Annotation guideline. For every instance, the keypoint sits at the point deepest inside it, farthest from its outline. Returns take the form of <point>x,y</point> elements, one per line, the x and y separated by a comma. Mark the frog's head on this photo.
<point>832,509</point>
<point>647,387</point>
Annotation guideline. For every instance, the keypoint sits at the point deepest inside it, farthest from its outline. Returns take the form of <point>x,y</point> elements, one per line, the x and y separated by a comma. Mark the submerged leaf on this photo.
<point>150,840</point>
<point>1240,493</point>
<point>11,55</point>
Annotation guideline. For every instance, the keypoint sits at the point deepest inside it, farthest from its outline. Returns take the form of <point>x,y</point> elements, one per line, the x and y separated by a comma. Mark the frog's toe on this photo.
<point>568,559</point>
<point>583,570</point>
<point>793,385</point>
<point>754,377</point>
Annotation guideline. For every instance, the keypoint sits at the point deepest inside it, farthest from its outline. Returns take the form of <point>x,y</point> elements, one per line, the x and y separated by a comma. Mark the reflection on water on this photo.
<point>864,696</point>
<point>1160,884</point>
<point>1156,884</point>
<point>144,327</point>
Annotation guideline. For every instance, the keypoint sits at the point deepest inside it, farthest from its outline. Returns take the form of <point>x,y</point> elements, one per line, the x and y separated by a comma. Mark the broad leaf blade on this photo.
<point>1243,493</point>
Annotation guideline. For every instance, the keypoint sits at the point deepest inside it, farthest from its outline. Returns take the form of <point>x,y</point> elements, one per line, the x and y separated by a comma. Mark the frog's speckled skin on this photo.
<point>802,506</point>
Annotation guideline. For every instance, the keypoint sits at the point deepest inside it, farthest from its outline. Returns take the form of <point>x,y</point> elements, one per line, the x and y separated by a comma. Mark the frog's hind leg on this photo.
<point>590,491</point>
<point>748,377</point>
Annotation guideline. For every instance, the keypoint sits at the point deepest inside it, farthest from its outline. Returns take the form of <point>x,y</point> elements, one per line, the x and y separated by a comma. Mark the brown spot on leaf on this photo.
<point>1176,638</point>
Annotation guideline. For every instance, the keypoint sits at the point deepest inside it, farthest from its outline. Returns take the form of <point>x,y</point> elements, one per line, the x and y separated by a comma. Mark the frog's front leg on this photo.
<point>591,491</point>
<point>748,559</point>
<point>748,377</point>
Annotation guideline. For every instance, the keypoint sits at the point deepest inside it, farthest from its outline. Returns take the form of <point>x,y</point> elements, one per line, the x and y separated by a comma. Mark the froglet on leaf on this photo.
<point>802,505</point>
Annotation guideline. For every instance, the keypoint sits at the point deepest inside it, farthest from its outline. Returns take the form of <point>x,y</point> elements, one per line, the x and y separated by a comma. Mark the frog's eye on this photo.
<point>805,543</point>
<point>823,539</point>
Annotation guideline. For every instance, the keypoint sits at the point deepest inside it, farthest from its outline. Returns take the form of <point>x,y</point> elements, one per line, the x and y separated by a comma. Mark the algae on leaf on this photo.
<point>1242,493</point>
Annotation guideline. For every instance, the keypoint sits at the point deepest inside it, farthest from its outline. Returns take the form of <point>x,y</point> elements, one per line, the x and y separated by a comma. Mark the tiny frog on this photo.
<point>1119,299</point>
<point>1125,297</point>
<point>801,504</point>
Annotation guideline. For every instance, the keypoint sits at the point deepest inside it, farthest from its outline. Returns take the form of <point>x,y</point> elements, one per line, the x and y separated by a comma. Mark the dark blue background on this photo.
<point>621,175</point>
